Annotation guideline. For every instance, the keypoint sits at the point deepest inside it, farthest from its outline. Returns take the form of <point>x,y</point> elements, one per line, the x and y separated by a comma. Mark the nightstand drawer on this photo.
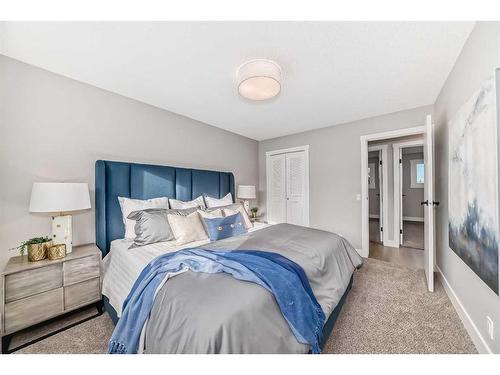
<point>34,281</point>
<point>81,269</point>
<point>31,310</point>
<point>82,293</point>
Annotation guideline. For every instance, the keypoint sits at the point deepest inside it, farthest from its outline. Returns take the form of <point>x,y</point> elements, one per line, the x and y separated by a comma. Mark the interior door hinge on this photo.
<point>380,162</point>
<point>400,161</point>
<point>381,229</point>
<point>400,231</point>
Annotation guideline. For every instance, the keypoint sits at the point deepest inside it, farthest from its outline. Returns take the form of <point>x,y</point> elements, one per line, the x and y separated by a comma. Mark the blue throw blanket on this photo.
<point>279,275</point>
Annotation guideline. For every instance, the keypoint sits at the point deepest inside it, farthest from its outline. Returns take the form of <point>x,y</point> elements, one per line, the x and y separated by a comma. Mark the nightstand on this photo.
<point>34,292</point>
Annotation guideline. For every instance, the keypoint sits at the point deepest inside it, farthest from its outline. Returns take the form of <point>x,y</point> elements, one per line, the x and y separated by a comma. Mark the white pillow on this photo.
<point>179,205</point>
<point>212,214</point>
<point>130,205</point>
<point>240,209</point>
<point>214,202</point>
<point>187,228</point>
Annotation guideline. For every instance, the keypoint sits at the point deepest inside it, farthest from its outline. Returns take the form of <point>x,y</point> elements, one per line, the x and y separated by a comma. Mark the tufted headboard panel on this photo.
<point>142,181</point>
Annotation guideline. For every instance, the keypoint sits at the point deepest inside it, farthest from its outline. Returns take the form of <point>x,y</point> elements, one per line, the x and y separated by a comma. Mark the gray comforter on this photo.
<point>216,313</point>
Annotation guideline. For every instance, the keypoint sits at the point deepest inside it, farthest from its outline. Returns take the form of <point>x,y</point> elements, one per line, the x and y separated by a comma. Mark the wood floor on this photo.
<point>410,254</point>
<point>403,256</point>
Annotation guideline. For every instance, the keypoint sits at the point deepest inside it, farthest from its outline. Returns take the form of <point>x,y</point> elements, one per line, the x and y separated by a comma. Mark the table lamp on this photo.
<point>60,197</point>
<point>245,193</point>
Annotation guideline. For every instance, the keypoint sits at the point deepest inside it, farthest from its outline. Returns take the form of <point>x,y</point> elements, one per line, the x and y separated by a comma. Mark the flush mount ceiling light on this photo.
<point>259,79</point>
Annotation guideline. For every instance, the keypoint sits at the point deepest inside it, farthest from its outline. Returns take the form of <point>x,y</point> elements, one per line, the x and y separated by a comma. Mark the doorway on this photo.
<point>378,193</point>
<point>392,251</point>
<point>409,183</point>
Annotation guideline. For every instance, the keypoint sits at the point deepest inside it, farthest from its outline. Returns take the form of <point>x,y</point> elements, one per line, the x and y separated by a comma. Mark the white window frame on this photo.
<point>413,165</point>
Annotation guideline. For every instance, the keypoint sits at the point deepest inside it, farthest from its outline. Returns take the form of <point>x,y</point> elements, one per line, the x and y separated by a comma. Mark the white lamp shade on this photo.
<point>59,197</point>
<point>246,191</point>
<point>259,79</point>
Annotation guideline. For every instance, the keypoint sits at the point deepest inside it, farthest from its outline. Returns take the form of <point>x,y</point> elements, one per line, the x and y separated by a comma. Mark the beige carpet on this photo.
<point>387,311</point>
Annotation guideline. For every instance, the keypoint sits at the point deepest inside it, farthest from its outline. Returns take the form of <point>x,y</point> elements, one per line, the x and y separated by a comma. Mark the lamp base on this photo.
<point>62,231</point>
<point>246,206</point>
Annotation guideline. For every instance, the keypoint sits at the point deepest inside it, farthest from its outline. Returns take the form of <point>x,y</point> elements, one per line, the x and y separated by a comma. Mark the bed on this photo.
<point>212,313</point>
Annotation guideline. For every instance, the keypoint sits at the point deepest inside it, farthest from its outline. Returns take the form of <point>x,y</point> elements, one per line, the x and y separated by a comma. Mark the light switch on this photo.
<point>358,197</point>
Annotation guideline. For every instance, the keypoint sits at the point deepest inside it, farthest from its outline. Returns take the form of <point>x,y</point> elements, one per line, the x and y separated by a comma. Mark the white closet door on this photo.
<point>277,189</point>
<point>295,186</point>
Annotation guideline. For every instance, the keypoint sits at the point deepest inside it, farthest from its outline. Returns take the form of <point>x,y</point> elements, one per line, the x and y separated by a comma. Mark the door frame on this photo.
<point>305,149</point>
<point>398,194</point>
<point>385,189</point>
<point>364,139</point>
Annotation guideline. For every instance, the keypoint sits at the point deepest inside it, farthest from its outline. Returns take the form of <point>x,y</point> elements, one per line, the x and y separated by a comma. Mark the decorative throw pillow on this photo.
<point>232,206</point>
<point>152,226</point>
<point>130,205</point>
<point>215,202</point>
<point>239,209</point>
<point>187,228</point>
<point>177,204</point>
<point>229,226</point>
<point>211,214</point>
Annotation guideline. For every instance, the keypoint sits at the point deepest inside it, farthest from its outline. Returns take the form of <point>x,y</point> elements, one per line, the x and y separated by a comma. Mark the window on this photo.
<point>417,173</point>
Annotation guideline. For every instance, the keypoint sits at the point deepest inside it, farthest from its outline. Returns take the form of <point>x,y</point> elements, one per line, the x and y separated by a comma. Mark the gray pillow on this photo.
<point>151,225</point>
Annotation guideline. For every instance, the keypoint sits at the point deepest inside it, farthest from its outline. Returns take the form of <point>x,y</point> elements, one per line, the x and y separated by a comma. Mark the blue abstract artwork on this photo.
<point>473,203</point>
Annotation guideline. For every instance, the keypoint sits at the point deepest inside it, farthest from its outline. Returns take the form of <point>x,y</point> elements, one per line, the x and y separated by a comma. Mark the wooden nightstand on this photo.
<point>34,292</point>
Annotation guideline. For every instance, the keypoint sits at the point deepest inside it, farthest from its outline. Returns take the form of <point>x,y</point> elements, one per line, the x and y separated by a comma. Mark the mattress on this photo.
<point>122,265</point>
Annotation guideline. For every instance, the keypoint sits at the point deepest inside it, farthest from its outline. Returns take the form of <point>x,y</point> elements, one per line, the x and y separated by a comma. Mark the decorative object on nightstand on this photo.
<point>56,251</point>
<point>246,193</point>
<point>253,212</point>
<point>37,292</point>
<point>37,248</point>
<point>60,197</point>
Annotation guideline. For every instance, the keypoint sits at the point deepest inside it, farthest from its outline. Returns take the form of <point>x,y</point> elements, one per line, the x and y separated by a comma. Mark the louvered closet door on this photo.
<point>295,186</point>
<point>277,189</point>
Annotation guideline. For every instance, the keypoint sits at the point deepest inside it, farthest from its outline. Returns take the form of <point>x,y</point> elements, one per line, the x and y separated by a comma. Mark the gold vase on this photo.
<point>56,251</point>
<point>38,251</point>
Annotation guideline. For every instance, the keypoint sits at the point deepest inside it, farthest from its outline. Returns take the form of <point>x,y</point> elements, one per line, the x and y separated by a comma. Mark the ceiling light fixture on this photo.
<point>259,79</point>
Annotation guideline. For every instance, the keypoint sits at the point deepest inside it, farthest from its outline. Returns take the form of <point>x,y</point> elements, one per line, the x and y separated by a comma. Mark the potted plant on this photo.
<point>254,211</point>
<point>37,248</point>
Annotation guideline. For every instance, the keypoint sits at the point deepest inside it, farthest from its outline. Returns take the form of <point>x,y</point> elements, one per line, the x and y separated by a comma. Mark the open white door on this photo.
<point>400,194</point>
<point>381,197</point>
<point>429,227</point>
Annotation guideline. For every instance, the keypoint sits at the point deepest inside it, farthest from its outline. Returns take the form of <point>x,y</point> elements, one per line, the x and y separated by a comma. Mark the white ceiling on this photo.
<point>333,72</point>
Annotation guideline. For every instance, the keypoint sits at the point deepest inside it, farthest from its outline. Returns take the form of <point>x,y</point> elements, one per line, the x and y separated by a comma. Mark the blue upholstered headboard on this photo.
<point>143,181</point>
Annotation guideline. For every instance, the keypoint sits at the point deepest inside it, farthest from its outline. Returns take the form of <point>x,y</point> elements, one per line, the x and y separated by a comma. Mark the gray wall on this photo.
<point>54,129</point>
<point>477,61</point>
<point>334,168</point>
<point>413,196</point>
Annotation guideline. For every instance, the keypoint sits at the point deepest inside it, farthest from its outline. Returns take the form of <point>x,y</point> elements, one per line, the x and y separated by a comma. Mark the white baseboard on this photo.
<point>478,340</point>
<point>413,218</point>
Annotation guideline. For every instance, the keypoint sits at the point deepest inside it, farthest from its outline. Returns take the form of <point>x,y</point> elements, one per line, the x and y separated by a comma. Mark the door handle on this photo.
<point>435,203</point>
<point>426,202</point>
